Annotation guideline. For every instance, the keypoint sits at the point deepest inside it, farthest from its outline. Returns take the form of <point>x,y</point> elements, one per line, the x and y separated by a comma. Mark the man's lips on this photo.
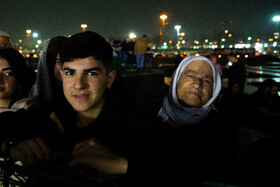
<point>81,96</point>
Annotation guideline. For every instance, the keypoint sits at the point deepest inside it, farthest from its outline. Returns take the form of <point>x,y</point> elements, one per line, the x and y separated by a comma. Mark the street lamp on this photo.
<point>28,32</point>
<point>276,19</point>
<point>163,17</point>
<point>84,26</point>
<point>178,27</point>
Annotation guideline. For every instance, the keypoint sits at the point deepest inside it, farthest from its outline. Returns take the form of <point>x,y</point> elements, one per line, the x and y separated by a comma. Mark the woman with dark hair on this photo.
<point>14,77</point>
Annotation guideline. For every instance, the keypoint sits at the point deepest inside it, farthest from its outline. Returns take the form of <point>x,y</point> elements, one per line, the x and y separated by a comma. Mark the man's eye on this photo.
<point>9,74</point>
<point>91,73</point>
<point>69,73</point>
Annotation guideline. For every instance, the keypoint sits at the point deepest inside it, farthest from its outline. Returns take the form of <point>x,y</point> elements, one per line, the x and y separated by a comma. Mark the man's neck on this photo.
<point>86,118</point>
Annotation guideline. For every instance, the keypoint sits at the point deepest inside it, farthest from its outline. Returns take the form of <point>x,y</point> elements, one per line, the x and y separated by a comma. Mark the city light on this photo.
<point>178,27</point>
<point>35,35</point>
<point>132,35</point>
<point>84,26</point>
<point>276,18</point>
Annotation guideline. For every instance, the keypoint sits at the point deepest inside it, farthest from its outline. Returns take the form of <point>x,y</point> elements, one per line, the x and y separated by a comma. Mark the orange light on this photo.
<point>84,26</point>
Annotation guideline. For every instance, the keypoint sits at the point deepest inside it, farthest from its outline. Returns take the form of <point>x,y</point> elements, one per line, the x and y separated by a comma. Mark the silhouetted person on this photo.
<point>236,71</point>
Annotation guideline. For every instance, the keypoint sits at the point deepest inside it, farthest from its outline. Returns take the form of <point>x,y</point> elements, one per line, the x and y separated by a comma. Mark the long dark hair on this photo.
<point>20,69</point>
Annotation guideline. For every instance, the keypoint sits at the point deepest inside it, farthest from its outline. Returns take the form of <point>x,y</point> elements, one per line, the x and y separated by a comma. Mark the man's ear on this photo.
<point>111,77</point>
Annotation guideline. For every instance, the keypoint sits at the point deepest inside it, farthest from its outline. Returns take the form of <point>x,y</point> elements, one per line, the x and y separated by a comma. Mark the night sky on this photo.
<point>117,18</point>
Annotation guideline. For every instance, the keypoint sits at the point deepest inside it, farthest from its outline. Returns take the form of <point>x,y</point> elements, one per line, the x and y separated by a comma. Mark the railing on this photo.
<point>13,174</point>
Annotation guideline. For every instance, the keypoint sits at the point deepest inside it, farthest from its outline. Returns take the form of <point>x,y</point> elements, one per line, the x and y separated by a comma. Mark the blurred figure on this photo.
<point>266,102</point>
<point>234,104</point>
<point>236,71</point>
<point>214,59</point>
<point>140,49</point>
<point>178,59</point>
<point>149,57</point>
<point>131,55</point>
<point>5,40</point>
<point>14,77</point>
<point>48,79</point>
<point>124,51</point>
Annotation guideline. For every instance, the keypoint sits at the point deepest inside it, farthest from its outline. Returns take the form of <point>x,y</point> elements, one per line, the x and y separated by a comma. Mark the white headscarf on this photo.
<point>185,115</point>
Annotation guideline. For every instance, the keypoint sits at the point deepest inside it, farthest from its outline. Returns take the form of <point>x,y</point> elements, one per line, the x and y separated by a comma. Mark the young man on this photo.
<point>91,127</point>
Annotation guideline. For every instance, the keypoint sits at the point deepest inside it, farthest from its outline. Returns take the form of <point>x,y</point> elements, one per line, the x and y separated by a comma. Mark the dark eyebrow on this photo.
<point>86,70</point>
<point>4,69</point>
<point>92,69</point>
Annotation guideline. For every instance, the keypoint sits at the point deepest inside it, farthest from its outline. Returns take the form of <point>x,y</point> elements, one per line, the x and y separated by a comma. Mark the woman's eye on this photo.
<point>189,75</point>
<point>208,81</point>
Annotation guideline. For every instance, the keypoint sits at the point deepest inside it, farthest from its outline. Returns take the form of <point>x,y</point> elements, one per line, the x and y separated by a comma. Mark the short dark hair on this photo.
<point>20,69</point>
<point>87,44</point>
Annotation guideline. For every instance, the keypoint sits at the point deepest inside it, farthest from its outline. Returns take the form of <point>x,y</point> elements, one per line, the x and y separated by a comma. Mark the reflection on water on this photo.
<point>265,70</point>
<point>261,79</point>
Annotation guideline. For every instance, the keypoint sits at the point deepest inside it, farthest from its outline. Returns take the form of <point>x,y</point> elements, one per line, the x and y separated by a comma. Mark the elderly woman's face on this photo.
<point>195,84</point>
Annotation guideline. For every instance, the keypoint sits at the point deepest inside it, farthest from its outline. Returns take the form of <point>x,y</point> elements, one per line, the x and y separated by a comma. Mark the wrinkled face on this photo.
<point>4,42</point>
<point>8,85</point>
<point>84,83</point>
<point>195,84</point>
<point>57,68</point>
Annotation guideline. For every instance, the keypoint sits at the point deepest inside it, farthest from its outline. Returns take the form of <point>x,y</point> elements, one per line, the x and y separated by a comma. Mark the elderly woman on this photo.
<point>190,142</point>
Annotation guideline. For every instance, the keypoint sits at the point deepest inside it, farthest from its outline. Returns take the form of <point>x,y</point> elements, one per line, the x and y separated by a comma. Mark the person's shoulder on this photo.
<point>25,103</point>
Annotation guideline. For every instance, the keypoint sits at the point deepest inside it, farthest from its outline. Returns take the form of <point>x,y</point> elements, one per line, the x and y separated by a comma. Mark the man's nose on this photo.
<point>80,82</point>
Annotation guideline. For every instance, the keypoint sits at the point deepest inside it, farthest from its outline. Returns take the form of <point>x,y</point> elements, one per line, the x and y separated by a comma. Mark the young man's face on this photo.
<point>84,83</point>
